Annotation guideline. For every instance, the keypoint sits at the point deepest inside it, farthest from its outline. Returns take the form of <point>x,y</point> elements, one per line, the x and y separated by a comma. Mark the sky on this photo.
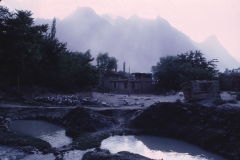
<point>198,19</point>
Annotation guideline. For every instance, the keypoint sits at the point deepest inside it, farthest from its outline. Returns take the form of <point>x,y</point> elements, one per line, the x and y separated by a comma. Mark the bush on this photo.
<point>238,97</point>
<point>232,101</point>
<point>219,101</point>
<point>178,101</point>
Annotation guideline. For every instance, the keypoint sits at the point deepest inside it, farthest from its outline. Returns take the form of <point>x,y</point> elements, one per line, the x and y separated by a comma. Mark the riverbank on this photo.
<point>213,128</point>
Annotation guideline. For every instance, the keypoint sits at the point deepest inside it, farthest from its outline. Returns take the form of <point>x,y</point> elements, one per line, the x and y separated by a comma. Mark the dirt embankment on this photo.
<point>213,128</point>
<point>216,129</point>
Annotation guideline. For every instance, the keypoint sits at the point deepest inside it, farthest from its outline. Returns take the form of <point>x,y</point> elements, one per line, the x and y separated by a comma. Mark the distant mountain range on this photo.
<point>138,42</point>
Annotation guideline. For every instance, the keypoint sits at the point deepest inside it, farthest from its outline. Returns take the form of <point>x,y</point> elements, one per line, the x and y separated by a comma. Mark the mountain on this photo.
<point>214,50</point>
<point>137,41</point>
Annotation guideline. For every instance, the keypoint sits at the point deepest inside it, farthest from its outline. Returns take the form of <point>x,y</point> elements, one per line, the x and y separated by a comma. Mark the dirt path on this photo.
<point>136,99</point>
<point>149,99</point>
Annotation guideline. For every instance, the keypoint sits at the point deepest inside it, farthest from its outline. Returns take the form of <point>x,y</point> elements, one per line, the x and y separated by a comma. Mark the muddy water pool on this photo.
<point>157,148</point>
<point>148,146</point>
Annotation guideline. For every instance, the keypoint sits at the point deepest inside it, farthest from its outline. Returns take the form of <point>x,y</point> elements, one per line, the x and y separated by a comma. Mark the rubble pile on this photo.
<point>59,99</point>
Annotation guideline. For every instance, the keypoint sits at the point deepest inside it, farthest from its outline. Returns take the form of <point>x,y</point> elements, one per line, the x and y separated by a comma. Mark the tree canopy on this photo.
<point>106,64</point>
<point>29,55</point>
<point>171,71</point>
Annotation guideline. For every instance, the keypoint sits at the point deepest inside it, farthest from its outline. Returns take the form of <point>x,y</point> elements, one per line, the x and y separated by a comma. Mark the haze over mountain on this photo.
<point>138,42</point>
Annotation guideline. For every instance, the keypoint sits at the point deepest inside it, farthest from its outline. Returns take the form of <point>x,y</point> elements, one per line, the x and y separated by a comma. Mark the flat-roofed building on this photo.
<point>137,83</point>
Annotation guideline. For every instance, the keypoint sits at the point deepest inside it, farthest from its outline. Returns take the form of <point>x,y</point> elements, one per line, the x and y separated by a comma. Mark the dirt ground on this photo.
<point>149,99</point>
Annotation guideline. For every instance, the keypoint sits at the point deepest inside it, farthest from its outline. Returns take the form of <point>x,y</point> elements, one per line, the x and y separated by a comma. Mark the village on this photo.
<point>57,102</point>
<point>142,86</point>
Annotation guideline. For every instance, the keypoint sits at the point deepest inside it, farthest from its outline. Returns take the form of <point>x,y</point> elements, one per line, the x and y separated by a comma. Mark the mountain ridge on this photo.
<point>137,41</point>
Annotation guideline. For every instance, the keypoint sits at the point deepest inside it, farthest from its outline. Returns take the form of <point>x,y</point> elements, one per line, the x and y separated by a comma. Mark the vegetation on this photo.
<point>232,101</point>
<point>29,55</point>
<point>171,71</point>
<point>219,101</point>
<point>238,97</point>
<point>106,64</point>
<point>124,75</point>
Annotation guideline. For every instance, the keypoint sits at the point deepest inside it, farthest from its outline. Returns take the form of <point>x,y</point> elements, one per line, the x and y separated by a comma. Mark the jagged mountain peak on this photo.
<point>158,18</point>
<point>212,38</point>
<point>82,11</point>
<point>137,41</point>
<point>134,17</point>
<point>213,49</point>
<point>115,21</point>
<point>109,16</point>
<point>86,10</point>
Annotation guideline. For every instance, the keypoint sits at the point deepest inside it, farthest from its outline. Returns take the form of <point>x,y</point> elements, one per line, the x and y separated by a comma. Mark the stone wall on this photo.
<point>139,84</point>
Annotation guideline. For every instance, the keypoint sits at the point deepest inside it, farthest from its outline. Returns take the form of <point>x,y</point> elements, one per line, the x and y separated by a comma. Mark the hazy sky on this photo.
<point>198,19</point>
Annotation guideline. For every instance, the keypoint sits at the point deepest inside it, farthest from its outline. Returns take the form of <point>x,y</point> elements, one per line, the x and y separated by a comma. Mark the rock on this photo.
<point>115,105</point>
<point>84,119</point>
<point>140,104</point>
<point>209,127</point>
<point>180,94</point>
<point>104,104</point>
<point>106,155</point>
<point>60,99</point>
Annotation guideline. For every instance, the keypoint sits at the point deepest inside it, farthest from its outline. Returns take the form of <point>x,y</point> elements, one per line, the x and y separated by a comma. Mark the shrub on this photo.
<point>178,101</point>
<point>232,101</point>
<point>219,101</point>
<point>238,97</point>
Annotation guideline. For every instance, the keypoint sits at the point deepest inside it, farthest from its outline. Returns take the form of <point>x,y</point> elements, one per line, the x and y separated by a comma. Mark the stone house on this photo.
<point>137,83</point>
<point>200,89</point>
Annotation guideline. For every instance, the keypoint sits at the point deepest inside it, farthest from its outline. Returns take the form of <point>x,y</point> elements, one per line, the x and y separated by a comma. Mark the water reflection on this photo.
<point>157,148</point>
<point>75,154</point>
<point>52,133</point>
<point>39,157</point>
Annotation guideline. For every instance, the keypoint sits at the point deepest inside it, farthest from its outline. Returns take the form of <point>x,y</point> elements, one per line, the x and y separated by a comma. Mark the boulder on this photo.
<point>84,119</point>
<point>213,128</point>
<point>106,155</point>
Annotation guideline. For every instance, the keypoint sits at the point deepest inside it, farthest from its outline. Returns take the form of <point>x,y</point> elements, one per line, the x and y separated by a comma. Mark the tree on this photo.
<point>171,71</point>
<point>53,28</point>
<point>112,64</point>
<point>76,70</point>
<point>31,56</point>
<point>106,64</point>
<point>166,72</point>
<point>20,47</point>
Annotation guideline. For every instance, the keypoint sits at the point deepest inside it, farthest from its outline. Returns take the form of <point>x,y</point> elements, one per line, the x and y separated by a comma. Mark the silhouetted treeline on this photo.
<point>29,55</point>
<point>171,71</point>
